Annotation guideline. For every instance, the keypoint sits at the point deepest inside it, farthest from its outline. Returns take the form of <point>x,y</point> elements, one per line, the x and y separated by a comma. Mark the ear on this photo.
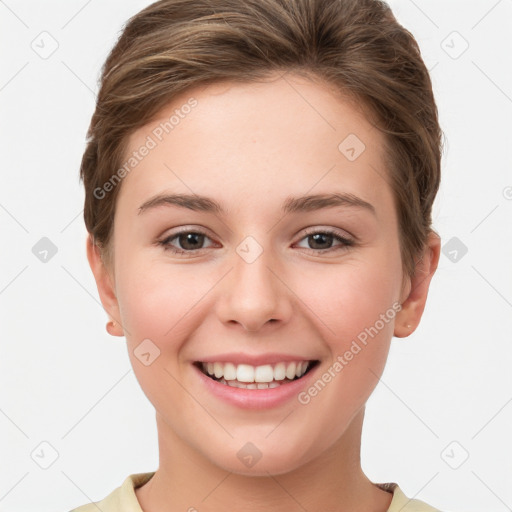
<point>416,289</point>
<point>104,283</point>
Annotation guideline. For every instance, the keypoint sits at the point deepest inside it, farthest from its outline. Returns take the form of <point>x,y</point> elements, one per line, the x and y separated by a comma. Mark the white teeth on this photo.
<point>301,368</point>
<point>244,373</point>
<point>229,371</point>
<point>290,371</point>
<point>218,370</point>
<point>259,385</point>
<point>279,371</point>
<point>264,374</point>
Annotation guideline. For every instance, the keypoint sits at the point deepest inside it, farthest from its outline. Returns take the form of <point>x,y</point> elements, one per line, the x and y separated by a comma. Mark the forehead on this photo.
<point>244,142</point>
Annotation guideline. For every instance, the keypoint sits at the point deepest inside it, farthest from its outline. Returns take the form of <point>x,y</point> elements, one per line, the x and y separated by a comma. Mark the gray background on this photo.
<point>73,420</point>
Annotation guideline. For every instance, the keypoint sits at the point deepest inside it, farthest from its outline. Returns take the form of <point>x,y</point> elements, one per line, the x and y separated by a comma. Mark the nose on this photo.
<point>254,294</point>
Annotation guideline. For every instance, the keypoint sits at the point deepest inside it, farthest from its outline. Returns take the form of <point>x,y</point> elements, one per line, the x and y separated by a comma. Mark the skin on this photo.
<point>250,147</point>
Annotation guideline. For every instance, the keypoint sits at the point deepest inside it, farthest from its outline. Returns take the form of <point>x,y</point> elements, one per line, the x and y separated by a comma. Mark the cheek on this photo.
<point>356,306</point>
<point>155,296</point>
<point>356,311</point>
<point>156,304</point>
<point>353,295</point>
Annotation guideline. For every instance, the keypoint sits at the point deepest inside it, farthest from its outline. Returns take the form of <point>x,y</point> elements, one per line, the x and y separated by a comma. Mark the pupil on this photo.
<point>317,236</point>
<point>189,238</point>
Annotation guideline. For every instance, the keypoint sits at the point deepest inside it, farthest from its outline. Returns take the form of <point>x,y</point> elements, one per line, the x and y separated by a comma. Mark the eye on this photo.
<point>320,240</point>
<point>189,241</point>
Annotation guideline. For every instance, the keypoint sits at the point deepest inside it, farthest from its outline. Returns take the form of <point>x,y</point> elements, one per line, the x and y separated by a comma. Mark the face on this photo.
<point>286,250</point>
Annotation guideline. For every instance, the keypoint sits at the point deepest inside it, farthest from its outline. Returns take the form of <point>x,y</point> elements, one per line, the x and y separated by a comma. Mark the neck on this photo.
<point>332,481</point>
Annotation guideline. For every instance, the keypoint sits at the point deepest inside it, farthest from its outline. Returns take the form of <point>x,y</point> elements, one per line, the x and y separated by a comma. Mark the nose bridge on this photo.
<point>253,294</point>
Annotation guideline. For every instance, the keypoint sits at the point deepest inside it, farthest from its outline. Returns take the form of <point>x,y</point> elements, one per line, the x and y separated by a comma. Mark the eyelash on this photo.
<point>346,242</point>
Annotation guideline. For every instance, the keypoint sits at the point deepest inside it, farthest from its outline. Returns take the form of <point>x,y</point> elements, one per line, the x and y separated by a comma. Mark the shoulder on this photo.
<point>121,499</point>
<point>401,503</point>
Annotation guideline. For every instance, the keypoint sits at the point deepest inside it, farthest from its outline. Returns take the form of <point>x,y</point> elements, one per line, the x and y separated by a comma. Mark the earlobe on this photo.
<point>414,304</point>
<point>105,286</point>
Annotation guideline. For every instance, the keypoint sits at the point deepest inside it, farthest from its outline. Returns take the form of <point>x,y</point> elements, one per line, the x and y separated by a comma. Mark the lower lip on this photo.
<point>256,398</point>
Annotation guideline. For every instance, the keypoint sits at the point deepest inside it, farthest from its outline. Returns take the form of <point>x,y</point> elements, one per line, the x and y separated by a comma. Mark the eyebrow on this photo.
<point>291,205</point>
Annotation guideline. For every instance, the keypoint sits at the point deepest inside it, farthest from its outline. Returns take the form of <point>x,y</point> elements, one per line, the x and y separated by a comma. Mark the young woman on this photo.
<point>259,180</point>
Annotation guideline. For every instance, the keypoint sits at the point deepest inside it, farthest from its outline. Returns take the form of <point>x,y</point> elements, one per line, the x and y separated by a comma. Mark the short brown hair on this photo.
<point>355,46</point>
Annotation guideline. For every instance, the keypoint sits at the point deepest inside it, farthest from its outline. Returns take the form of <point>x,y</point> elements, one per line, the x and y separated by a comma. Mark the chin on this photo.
<point>251,461</point>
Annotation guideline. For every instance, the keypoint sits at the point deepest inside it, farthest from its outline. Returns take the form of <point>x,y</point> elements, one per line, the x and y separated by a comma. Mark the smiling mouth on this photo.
<point>256,377</point>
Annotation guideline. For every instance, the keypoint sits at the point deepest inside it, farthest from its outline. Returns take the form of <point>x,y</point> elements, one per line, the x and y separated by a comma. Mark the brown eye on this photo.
<point>191,241</point>
<point>319,241</point>
<point>185,242</point>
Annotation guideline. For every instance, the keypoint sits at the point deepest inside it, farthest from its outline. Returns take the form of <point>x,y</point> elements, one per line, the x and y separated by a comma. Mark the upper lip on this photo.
<point>254,360</point>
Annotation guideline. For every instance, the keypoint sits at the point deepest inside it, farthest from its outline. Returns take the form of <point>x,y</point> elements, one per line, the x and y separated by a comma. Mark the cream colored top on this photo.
<point>123,499</point>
